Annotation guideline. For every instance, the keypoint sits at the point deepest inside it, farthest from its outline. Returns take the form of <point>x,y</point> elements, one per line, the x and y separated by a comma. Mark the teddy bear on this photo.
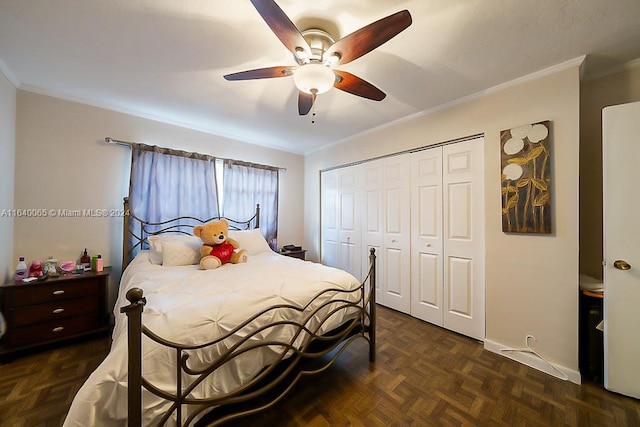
<point>217,247</point>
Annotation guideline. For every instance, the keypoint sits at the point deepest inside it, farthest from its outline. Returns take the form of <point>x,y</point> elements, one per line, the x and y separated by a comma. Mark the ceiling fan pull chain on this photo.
<point>313,109</point>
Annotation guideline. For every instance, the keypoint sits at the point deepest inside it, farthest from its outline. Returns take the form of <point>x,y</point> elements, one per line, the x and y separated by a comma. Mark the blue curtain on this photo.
<point>166,184</point>
<point>247,184</point>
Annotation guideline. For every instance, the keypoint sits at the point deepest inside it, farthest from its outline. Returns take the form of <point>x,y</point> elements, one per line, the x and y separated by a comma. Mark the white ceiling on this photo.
<point>165,59</point>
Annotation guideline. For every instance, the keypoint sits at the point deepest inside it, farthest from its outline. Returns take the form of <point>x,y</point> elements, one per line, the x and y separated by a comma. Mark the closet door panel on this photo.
<point>394,211</point>
<point>429,284</point>
<point>460,288</point>
<point>373,217</point>
<point>349,258</point>
<point>349,230</point>
<point>394,275</point>
<point>349,245</point>
<point>428,219</point>
<point>329,249</point>
<point>426,235</point>
<point>347,212</point>
<point>463,198</point>
<point>341,195</point>
<point>460,218</point>
<point>397,235</point>
<point>373,221</point>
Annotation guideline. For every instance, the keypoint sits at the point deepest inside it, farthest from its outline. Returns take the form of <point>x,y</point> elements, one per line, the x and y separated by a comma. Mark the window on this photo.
<point>247,184</point>
<point>169,183</point>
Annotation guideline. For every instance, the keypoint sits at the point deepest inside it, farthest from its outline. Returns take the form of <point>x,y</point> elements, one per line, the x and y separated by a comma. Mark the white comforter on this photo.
<point>189,305</point>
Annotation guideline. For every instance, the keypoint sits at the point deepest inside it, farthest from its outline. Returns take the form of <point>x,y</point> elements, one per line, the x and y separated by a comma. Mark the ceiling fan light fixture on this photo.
<point>314,78</point>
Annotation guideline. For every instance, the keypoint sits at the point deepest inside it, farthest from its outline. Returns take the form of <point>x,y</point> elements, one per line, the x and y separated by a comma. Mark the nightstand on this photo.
<point>53,310</point>
<point>300,254</point>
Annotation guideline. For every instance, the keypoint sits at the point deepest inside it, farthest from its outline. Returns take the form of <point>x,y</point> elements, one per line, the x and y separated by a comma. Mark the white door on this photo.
<point>329,218</point>
<point>373,220</point>
<point>463,218</point>
<point>349,224</point>
<point>426,236</point>
<point>621,153</point>
<point>447,237</point>
<point>396,257</point>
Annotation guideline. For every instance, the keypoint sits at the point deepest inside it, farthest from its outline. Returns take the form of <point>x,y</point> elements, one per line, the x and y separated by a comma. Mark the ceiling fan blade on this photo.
<point>282,26</point>
<point>356,86</point>
<point>261,73</point>
<point>367,38</point>
<point>305,102</point>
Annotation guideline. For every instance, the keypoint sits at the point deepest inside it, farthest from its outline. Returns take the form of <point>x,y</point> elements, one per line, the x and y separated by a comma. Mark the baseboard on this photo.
<point>534,362</point>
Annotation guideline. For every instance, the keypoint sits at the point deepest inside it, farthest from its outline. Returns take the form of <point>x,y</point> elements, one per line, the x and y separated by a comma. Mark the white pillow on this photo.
<point>156,248</point>
<point>251,240</point>
<point>181,253</point>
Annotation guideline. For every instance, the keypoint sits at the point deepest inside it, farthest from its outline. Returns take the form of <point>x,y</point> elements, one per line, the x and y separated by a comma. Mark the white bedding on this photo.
<point>189,305</point>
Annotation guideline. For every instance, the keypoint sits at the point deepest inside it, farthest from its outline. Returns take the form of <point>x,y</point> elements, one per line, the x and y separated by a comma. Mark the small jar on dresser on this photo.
<point>53,310</point>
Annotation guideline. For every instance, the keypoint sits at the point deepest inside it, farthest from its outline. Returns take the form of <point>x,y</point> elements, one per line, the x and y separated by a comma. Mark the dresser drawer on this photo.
<point>46,312</point>
<point>53,331</point>
<point>53,291</point>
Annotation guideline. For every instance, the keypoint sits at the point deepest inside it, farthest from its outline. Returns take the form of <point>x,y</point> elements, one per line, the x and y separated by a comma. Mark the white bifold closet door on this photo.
<point>423,213</point>
<point>427,236</point>
<point>386,227</point>
<point>447,237</point>
<point>396,256</point>
<point>341,192</point>
<point>373,220</point>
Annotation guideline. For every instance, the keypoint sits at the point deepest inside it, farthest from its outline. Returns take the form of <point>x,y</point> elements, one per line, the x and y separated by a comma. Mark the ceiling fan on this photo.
<point>316,53</point>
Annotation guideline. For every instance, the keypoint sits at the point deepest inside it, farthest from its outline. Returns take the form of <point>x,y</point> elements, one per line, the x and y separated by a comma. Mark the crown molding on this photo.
<point>627,66</point>
<point>6,71</point>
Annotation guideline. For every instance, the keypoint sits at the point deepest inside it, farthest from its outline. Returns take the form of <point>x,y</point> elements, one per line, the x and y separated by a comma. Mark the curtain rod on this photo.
<point>110,140</point>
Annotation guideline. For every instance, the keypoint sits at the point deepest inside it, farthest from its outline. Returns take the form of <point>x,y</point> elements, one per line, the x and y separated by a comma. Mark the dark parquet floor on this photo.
<point>423,376</point>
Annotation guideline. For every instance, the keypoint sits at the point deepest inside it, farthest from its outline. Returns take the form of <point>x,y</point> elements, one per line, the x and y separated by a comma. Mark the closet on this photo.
<point>423,212</point>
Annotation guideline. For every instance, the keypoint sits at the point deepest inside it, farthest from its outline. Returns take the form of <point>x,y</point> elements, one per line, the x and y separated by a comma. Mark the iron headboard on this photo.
<point>136,230</point>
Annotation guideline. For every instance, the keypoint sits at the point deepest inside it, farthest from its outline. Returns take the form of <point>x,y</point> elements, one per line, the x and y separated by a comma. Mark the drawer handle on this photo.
<point>58,329</point>
<point>60,292</point>
<point>58,310</point>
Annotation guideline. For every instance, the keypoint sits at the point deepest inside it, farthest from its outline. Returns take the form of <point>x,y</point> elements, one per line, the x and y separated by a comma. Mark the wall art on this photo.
<point>526,179</point>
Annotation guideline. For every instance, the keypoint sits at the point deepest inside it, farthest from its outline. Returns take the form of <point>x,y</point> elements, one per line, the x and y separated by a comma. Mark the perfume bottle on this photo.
<point>85,259</point>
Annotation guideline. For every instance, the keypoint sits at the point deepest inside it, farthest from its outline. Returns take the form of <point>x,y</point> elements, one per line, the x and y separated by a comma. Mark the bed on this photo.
<point>203,347</point>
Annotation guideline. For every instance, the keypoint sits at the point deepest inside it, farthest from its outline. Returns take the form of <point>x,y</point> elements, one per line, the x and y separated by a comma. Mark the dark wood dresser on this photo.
<point>53,310</point>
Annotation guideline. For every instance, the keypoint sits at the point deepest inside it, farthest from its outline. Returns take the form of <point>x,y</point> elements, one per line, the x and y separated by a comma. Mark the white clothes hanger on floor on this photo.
<point>530,350</point>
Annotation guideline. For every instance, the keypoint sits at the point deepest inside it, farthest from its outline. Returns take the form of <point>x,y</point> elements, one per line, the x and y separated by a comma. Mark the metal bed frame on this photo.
<point>315,355</point>
<point>136,230</point>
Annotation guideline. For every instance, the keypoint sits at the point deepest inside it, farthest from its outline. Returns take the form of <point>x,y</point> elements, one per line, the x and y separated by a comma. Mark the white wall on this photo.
<point>531,281</point>
<point>62,162</point>
<point>7,148</point>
